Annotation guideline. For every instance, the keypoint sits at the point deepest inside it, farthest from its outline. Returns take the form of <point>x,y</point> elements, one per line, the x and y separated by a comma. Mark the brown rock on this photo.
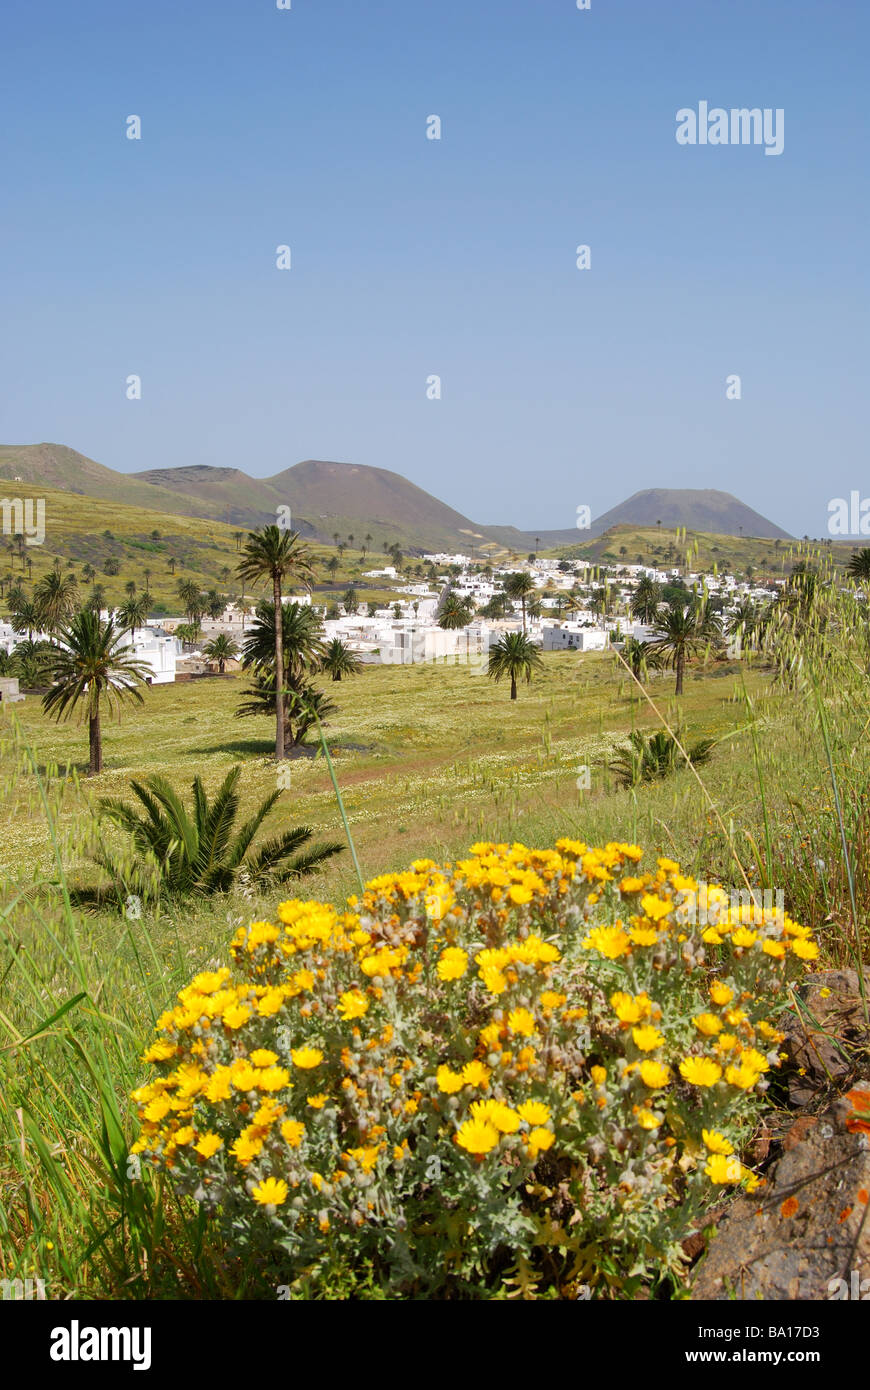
<point>809,1226</point>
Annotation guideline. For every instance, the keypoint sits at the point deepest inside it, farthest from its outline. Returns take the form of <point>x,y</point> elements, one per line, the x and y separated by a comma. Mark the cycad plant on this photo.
<point>650,757</point>
<point>180,850</point>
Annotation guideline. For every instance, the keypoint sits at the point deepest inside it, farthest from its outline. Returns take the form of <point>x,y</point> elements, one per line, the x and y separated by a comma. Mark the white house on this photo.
<point>571,637</point>
<point>157,649</point>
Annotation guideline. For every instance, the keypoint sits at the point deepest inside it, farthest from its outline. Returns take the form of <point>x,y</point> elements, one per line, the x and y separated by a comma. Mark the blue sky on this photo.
<point>456,257</point>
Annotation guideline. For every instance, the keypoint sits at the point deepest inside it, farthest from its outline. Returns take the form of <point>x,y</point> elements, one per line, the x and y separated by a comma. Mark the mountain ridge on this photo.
<point>328,498</point>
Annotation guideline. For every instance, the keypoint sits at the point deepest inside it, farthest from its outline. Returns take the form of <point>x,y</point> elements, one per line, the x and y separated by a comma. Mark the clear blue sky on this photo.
<point>414,257</point>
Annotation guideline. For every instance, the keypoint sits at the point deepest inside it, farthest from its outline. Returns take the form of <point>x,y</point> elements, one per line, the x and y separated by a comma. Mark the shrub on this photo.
<point>528,1066</point>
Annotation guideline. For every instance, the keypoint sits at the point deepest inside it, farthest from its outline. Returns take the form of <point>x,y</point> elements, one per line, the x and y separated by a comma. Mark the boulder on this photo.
<point>805,1234</point>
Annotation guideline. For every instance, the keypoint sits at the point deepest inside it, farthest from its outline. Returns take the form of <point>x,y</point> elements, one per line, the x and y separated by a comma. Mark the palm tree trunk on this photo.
<point>681,658</point>
<point>96,742</point>
<point>524,614</point>
<point>513,687</point>
<point>279,669</point>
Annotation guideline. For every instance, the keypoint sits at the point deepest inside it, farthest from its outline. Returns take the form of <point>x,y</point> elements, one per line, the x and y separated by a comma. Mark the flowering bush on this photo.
<point>529,1065</point>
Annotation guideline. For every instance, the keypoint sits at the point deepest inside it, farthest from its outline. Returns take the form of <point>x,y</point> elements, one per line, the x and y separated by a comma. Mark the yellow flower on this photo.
<point>495,1112</point>
<point>805,950</point>
<point>716,1142</point>
<point>519,894</point>
<point>647,1038</point>
<point>293,1131</point>
<point>208,1144</point>
<point>263,1057</point>
<point>352,1004</point>
<point>776,949</point>
<point>452,964</point>
<point>720,993</point>
<point>540,1140</point>
<point>551,1000</point>
<point>271,1192</point>
<point>306,1057</point>
<point>629,1008</point>
<point>449,1081</point>
<point>744,937</point>
<point>611,942</point>
<point>742,1076</point>
<point>160,1051</point>
<point>721,1168</point>
<point>317,1102</point>
<point>644,936</point>
<point>236,1016</point>
<point>598,1074</point>
<point>647,1119</point>
<point>654,908</point>
<point>700,1071</point>
<point>708,1024</point>
<point>654,1074</point>
<point>521,1021</point>
<point>246,1148</point>
<point>475,1074</point>
<point>477,1136</point>
<point>534,1112</point>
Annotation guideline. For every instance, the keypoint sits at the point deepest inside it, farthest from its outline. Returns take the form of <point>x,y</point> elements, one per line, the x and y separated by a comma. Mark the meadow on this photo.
<point>429,759</point>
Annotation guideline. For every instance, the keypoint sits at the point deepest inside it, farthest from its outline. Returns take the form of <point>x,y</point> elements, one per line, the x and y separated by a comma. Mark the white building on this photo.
<point>156,649</point>
<point>572,637</point>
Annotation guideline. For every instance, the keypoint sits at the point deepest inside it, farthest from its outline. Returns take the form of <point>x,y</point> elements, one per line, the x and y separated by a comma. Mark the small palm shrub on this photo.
<point>528,1068</point>
<point>181,851</point>
<point>650,757</point>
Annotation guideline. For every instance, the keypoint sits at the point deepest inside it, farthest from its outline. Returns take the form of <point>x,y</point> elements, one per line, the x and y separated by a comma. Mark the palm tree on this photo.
<point>89,574</point>
<point>192,598</point>
<point>96,598</point>
<point>90,666</point>
<point>332,564</point>
<point>221,649</point>
<point>23,614</point>
<point>646,599</point>
<point>520,586</point>
<point>350,601</point>
<point>238,537</point>
<point>515,656</point>
<point>146,574</point>
<point>130,588</point>
<point>636,655</point>
<point>172,562</point>
<point>455,612</point>
<point>859,565</point>
<point>54,598</point>
<point>743,621</point>
<point>134,613</point>
<point>198,850</point>
<point>340,661</point>
<point>275,555</point>
<point>679,633</point>
<point>368,541</point>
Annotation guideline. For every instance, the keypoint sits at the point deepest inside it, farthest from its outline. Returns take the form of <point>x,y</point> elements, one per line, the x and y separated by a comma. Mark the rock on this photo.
<point>809,1225</point>
<point>823,1037</point>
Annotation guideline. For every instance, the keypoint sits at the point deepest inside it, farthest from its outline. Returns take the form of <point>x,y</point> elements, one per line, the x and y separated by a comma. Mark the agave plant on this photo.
<point>182,851</point>
<point>650,757</point>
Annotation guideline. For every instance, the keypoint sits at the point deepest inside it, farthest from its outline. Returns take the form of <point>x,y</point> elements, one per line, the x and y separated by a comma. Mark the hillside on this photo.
<point>698,509</point>
<point>329,499</point>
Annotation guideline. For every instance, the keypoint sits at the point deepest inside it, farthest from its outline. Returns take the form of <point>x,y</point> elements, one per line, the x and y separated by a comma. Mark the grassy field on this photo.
<point>90,531</point>
<point>427,756</point>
